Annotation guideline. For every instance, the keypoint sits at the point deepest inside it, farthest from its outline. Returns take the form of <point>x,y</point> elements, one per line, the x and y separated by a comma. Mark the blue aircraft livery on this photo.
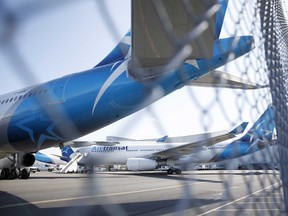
<point>75,105</point>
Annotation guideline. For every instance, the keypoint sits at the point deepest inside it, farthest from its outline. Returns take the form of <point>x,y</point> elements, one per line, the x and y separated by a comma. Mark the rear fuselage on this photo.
<point>67,108</point>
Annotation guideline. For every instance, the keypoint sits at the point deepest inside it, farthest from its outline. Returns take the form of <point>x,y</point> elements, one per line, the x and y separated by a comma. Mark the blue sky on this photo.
<point>76,36</point>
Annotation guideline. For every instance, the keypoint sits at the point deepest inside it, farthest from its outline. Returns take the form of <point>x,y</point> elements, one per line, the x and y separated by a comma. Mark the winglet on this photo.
<point>240,129</point>
<point>162,139</point>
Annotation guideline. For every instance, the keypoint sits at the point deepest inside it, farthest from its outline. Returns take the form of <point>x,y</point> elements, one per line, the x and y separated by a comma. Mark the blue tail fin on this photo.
<point>258,137</point>
<point>119,52</point>
<point>67,151</point>
<point>220,17</point>
<point>262,129</point>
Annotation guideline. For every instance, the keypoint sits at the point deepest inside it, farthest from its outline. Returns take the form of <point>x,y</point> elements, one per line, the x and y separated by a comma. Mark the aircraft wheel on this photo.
<point>14,173</point>
<point>178,171</point>
<point>25,173</point>
<point>4,173</point>
<point>169,171</point>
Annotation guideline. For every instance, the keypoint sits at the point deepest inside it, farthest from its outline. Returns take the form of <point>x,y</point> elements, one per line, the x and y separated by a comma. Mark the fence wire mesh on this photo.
<point>211,108</point>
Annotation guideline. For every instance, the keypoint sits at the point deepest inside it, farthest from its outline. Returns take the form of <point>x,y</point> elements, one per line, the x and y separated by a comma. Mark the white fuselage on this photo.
<point>120,153</point>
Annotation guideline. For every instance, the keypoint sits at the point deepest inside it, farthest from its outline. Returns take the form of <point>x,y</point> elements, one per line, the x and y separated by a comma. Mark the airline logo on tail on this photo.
<point>257,138</point>
<point>66,153</point>
<point>262,129</point>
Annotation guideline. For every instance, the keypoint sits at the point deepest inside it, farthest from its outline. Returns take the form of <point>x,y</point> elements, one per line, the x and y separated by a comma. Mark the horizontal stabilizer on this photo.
<point>224,80</point>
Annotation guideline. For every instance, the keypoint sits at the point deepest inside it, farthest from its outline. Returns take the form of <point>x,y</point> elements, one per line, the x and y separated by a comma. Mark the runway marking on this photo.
<point>250,210</point>
<point>241,198</point>
<point>95,196</point>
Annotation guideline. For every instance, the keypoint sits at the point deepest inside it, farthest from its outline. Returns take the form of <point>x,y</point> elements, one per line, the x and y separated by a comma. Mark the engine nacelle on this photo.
<point>20,160</point>
<point>27,159</point>
<point>137,164</point>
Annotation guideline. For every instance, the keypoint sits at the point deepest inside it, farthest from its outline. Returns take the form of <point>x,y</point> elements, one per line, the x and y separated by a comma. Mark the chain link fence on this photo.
<point>202,109</point>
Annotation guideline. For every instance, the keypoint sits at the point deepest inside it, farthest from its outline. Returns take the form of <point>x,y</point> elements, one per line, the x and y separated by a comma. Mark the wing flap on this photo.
<point>161,29</point>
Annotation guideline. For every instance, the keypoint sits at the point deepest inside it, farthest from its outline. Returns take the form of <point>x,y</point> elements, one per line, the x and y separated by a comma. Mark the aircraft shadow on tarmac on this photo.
<point>163,175</point>
<point>190,176</point>
<point>13,205</point>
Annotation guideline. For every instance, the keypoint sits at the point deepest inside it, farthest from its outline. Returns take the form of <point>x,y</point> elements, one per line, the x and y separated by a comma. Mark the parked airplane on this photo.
<point>61,158</point>
<point>67,152</point>
<point>72,106</point>
<point>172,152</point>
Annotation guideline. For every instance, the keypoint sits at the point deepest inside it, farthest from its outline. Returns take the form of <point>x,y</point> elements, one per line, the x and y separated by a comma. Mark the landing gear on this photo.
<point>25,173</point>
<point>4,173</point>
<point>16,166</point>
<point>172,170</point>
<point>14,173</point>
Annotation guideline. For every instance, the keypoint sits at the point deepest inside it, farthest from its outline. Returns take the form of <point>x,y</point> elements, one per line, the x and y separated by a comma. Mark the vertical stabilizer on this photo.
<point>120,52</point>
<point>220,17</point>
<point>262,129</point>
<point>66,152</point>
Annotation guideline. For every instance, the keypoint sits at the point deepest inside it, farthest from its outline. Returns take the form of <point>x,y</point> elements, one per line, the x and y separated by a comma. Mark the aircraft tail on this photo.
<point>258,137</point>
<point>120,52</point>
<point>220,17</point>
<point>263,128</point>
<point>66,152</point>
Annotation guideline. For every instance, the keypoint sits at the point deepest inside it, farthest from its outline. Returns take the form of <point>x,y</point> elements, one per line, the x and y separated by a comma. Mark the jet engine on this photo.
<point>27,159</point>
<point>138,164</point>
<point>16,165</point>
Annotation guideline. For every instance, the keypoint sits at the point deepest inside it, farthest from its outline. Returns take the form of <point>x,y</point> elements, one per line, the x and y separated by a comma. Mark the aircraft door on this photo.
<point>58,90</point>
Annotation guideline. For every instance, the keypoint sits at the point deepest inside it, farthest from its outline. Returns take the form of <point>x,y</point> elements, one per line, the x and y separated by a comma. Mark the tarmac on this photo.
<point>223,192</point>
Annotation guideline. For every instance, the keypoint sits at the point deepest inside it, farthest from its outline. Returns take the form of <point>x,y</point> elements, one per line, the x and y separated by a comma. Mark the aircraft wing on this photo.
<point>77,144</point>
<point>118,139</point>
<point>3,155</point>
<point>205,139</point>
<point>180,139</point>
<point>224,80</point>
<point>160,28</point>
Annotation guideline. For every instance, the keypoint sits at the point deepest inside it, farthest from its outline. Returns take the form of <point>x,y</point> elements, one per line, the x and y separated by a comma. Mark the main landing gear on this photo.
<point>172,170</point>
<point>5,173</point>
<point>16,166</point>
